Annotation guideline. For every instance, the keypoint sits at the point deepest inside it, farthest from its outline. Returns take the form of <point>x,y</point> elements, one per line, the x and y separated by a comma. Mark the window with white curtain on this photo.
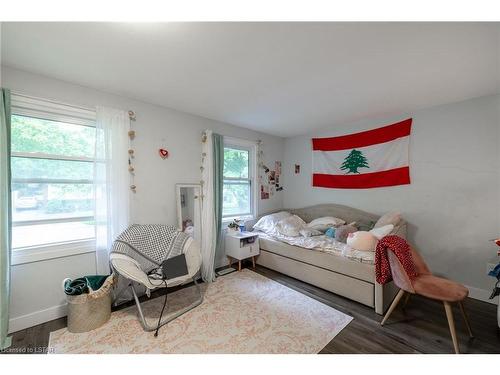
<point>239,190</point>
<point>53,151</point>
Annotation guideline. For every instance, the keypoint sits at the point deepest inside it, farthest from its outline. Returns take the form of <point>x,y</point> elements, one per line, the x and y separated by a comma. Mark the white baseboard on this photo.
<point>37,317</point>
<point>481,295</point>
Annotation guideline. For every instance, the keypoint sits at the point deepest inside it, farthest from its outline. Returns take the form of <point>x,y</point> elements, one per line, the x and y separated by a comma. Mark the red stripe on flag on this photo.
<point>396,176</point>
<point>363,139</point>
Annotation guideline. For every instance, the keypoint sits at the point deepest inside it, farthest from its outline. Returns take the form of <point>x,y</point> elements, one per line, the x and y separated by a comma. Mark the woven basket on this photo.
<point>90,311</point>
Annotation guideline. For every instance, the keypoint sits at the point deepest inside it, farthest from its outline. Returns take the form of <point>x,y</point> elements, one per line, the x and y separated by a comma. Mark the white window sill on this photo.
<point>227,220</point>
<point>51,251</point>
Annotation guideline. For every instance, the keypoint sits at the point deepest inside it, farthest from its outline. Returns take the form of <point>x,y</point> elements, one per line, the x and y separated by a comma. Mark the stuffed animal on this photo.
<point>330,232</point>
<point>367,241</point>
<point>343,231</point>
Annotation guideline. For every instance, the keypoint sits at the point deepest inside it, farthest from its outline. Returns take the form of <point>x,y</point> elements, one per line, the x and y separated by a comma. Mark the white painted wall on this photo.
<point>154,202</point>
<point>36,289</point>
<point>453,202</point>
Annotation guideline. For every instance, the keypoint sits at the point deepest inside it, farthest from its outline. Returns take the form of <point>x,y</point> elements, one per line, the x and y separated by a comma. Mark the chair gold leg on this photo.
<point>393,305</point>
<point>466,319</point>
<point>451,323</point>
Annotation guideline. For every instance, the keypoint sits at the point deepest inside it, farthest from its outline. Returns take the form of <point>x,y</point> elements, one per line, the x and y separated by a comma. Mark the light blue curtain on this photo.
<point>5,217</point>
<point>218,148</point>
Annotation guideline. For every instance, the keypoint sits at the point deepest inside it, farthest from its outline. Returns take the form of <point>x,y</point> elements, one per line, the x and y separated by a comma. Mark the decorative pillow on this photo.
<point>393,218</point>
<point>366,225</point>
<point>308,232</point>
<point>367,241</point>
<point>267,223</point>
<point>343,231</point>
<point>381,232</point>
<point>323,223</point>
<point>290,226</point>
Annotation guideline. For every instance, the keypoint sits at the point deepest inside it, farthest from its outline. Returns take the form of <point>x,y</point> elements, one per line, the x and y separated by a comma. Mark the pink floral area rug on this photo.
<point>243,312</point>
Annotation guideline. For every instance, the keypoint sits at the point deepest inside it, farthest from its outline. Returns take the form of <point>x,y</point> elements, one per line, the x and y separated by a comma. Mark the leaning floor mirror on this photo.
<point>189,209</point>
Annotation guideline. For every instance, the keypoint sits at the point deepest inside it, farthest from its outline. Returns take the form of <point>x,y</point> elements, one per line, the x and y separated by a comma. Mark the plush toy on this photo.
<point>343,231</point>
<point>367,241</point>
<point>330,232</point>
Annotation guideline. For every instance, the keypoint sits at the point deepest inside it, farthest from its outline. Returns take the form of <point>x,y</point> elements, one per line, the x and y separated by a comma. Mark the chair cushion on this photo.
<point>434,287</point>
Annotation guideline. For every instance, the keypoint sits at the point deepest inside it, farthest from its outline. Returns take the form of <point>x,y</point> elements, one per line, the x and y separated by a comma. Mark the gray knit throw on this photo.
<point>150,244</point>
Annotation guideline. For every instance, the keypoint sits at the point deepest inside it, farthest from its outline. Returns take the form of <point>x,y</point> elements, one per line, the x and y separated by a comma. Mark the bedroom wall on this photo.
<point>154,202</point>
<point>453,202</point>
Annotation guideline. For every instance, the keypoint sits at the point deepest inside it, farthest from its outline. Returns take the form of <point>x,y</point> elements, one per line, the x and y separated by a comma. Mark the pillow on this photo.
<point>367,241</point>
<point>267,223</point>
<point>343,231</point>
<point>381,232</point>
<point>290,226</point>
<point>393,218</point>
<point>323,223</point>
<point>308,232</point>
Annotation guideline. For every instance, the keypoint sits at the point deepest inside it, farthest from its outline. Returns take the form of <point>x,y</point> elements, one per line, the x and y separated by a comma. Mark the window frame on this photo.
<point>251,147</point>
<point>27,106</point>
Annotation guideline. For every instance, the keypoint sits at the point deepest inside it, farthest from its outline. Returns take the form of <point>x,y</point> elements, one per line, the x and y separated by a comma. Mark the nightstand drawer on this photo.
<point>250,250</point>
<point>255,249</point>
<point>244,252</point>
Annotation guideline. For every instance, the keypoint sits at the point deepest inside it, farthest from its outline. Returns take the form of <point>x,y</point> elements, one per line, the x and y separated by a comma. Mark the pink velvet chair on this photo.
<point>430,286</point>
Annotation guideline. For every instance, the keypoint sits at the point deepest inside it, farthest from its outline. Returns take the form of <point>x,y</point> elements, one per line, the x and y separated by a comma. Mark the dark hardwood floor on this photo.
<point>419,328</point>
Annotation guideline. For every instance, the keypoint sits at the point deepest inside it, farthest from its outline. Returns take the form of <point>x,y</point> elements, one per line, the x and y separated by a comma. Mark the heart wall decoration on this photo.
<point>163,153</point>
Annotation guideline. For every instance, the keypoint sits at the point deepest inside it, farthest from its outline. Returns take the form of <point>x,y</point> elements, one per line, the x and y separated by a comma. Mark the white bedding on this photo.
<point>325,244</point>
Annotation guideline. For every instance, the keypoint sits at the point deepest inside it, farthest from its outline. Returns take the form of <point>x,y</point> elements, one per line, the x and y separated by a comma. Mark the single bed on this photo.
<point>326,263</point>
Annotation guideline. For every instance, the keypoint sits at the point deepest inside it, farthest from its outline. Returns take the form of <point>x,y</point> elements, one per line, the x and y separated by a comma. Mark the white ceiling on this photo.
<point>279,78</point>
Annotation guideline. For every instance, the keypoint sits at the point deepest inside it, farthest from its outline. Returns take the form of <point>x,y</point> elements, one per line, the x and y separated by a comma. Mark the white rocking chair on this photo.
<point>130,269</point>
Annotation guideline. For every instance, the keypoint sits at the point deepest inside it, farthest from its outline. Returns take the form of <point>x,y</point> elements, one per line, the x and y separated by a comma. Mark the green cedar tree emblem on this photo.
<point>353,161</point>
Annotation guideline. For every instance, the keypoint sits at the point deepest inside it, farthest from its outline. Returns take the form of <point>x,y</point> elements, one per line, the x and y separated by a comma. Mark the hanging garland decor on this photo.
<point>131,152</point>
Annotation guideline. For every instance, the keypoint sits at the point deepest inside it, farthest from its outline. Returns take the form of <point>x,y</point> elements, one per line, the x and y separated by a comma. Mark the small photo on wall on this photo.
<point>264,192</point>
<point>277,167</point>
<point>272,177</point>
<point>297,168</point>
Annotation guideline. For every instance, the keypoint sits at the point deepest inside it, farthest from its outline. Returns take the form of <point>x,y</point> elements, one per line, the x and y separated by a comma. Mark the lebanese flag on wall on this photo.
<point>373,158</point>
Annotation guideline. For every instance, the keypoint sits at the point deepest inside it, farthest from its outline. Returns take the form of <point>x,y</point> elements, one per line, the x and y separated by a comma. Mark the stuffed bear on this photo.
<point>367,241</point>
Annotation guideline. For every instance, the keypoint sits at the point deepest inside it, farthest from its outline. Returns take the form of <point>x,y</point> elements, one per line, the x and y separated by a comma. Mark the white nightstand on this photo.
<point>241,245</point>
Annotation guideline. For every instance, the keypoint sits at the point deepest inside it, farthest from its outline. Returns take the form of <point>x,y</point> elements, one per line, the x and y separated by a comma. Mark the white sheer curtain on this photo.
<point>208,227</point>
<point>111,181</point>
